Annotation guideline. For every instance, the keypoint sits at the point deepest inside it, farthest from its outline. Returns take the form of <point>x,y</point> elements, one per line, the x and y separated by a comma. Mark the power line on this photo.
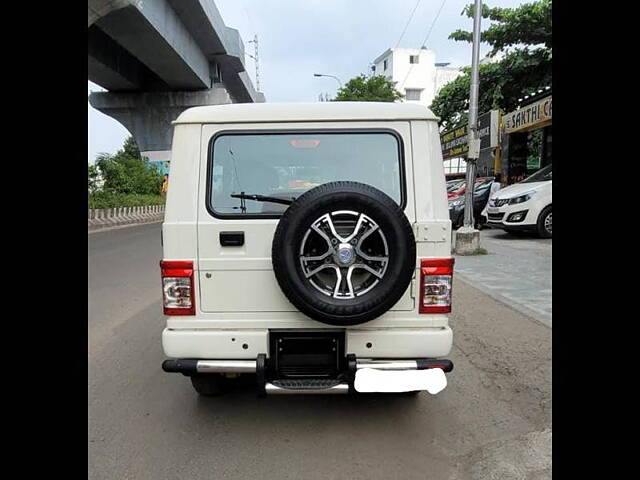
<point>424,42</point>
<point>408,22</point>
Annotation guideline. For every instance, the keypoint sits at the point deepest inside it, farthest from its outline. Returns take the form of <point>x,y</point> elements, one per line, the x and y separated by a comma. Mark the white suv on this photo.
<point>524,206</point>
<point>308,245</point>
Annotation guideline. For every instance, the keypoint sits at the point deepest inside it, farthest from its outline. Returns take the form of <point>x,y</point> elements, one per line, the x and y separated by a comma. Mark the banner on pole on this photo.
<point>455,142</point>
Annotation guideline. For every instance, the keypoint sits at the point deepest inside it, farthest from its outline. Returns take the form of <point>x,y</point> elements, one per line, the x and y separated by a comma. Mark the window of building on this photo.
<point>455,165</point>
<point>414,59</point>
<point>385,65</point>
<point>413,93</point>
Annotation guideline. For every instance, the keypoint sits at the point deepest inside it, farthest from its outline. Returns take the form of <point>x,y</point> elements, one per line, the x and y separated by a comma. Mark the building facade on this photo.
<point>417,75</point>
<point>527,136</point>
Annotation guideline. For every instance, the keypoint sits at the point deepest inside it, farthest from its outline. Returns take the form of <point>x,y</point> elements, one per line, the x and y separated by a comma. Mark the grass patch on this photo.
<point>114,200</point>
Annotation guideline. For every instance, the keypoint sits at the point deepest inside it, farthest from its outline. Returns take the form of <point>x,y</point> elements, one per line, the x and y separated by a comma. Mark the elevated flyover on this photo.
<point>156,58</point>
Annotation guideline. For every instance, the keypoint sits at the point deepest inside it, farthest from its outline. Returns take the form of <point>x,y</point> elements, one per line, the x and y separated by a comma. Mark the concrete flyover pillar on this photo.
<point>148,115</point>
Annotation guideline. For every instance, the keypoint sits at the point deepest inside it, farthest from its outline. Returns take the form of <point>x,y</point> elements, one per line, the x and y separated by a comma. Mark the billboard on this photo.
<point>535,115</point>
<point>454,142</point>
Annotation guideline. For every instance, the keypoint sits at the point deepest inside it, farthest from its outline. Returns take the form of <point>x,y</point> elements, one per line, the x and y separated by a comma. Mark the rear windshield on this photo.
<point>285,165</point>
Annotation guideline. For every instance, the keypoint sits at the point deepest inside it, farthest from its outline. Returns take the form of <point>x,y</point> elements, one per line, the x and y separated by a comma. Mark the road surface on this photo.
<point>492,420</point>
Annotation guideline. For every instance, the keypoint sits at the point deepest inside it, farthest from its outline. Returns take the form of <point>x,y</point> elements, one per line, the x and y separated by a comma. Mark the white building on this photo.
<point>416,73</point>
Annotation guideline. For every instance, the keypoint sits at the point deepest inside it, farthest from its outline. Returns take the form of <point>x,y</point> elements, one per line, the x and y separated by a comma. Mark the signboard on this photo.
<point>536,115</point>
<point>454,142</point>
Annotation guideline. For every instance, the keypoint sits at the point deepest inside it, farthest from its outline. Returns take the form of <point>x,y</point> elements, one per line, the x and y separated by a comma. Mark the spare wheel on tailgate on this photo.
<point>344,253</point>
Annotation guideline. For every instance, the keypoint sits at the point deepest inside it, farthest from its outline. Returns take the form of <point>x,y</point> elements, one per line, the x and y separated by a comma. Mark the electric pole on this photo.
<point>472,136</point>
<point>255,58</point>
<point>467,237</point>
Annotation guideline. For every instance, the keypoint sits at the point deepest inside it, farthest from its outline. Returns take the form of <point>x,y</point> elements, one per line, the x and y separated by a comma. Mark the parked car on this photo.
<point>297,249</point>
<point>455,188</point>
<point>480,199</point>
<point>524,206</point>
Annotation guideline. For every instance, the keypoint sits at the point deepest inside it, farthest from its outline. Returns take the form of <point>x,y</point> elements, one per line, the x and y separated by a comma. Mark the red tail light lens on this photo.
<point>177,287</point>
<point>436,278</point>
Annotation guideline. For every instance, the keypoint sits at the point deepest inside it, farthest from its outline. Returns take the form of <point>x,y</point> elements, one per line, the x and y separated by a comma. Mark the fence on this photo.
<point>110,217</point>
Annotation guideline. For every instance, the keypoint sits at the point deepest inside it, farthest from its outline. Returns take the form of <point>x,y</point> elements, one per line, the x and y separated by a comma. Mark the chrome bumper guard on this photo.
<point>311,386</point>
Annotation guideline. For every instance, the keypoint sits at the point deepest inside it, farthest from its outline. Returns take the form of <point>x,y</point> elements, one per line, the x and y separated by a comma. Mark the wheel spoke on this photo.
<point>338,283</point>
<point>361,219</point>
<point>368,269</point>
<point>327,218</point>
<point>349,284</point>
<point>321,267</point>
<point>373,228</point>
<point>371,258</point>
<point>318,257</point>
<point>323,235</point>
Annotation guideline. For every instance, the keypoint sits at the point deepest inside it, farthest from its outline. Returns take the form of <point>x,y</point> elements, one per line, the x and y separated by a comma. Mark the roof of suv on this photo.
<point>304,112</point>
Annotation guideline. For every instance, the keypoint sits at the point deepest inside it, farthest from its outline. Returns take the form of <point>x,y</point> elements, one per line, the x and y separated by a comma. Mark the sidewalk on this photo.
<point>516,271</point>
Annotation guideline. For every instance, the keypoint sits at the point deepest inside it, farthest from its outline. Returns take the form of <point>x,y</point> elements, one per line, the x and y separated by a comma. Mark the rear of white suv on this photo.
<point>524,206</point>
<point>296,247</point>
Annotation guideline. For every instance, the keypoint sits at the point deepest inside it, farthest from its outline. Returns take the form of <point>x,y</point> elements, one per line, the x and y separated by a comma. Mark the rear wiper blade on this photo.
<point>263,198</point>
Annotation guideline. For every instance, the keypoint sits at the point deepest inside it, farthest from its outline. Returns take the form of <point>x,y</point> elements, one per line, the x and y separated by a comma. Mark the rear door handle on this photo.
<point>231,239</point>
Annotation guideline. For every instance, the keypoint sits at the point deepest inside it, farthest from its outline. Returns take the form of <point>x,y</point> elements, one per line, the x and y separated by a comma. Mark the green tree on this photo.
<point>93,175</point>
<point>130,148</point>
<point>369,89</point>
<point>524,35</point>
<point>126,172</point>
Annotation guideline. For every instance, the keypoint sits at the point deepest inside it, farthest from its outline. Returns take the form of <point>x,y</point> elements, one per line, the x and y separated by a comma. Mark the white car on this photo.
<point>524,206</point>
<point>308,245</point>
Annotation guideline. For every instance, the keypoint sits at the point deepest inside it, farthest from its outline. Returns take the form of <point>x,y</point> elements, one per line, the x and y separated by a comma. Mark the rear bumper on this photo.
<point>247,344</point>
<point>191,366</point>
<point>267,384</point>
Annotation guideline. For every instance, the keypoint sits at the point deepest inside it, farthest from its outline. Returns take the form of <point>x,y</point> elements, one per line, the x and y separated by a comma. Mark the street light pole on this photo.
<point>331,76</point>
<point>472,138</point>
<point>467,237</point>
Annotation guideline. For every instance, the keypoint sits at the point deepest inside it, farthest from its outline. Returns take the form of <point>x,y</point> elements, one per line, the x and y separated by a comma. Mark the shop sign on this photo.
<point>454,142</point>
<point>528,117</point>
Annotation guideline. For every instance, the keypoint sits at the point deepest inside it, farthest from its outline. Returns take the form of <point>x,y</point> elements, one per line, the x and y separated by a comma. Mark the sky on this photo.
<point>298,38</point>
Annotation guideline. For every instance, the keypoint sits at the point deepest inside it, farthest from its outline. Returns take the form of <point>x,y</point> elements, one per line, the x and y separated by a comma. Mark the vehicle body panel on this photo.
<point>238,299</point>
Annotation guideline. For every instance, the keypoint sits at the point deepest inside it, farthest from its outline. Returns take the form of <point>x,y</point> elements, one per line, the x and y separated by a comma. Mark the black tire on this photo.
<point>209,385</point>
<point>332,197</point>
<point>541,226</point>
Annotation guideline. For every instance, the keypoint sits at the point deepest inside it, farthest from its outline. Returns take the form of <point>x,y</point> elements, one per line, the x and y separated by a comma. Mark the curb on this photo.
<point>104,218</point>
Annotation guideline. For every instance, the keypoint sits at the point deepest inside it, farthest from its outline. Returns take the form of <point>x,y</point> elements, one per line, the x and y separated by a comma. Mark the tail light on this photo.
<point>436,277</point>
<point>177,287</point>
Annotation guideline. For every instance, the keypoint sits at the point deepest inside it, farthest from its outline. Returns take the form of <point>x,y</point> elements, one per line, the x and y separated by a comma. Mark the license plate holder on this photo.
<point>372,380</point>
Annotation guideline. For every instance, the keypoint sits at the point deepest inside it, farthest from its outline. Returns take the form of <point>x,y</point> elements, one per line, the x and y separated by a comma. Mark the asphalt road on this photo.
<point>492,420</point>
